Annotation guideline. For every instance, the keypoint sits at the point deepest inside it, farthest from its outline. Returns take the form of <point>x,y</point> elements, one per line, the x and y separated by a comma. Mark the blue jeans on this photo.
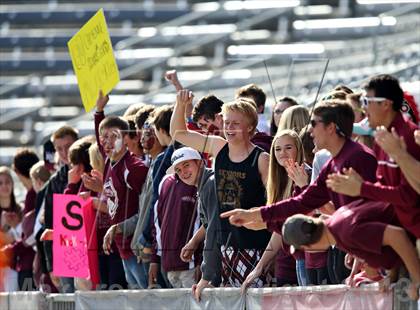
<point>66,285</point>
<point>301,272</point>
<point>137,275</point>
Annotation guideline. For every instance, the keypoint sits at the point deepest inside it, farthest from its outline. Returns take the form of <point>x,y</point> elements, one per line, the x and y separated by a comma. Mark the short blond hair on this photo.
<point>96,159</point>
<point>246,107</point>
<point>40,172</point>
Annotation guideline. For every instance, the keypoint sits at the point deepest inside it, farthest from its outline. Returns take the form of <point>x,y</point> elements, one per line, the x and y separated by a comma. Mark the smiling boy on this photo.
<point>124,175</point>
<point>177,218</point>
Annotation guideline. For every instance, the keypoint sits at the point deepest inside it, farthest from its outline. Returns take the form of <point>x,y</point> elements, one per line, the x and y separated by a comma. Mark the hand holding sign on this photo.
<point>101,102</point>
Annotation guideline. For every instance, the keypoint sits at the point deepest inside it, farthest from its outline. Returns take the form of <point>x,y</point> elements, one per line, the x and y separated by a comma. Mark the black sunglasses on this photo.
<point>313,122</point>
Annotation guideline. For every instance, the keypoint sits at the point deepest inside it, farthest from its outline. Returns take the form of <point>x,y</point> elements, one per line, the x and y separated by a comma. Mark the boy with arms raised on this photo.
<point>240,172</point>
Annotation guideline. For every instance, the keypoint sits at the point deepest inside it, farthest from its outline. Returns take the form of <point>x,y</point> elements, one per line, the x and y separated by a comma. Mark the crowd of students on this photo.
<point>211,193</point>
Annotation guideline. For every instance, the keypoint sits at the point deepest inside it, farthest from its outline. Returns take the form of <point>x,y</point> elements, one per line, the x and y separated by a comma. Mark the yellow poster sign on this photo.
<point>93,60</point>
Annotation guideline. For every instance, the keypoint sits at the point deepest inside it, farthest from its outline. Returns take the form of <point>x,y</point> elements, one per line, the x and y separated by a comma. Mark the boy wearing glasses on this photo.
<point>383,104</point>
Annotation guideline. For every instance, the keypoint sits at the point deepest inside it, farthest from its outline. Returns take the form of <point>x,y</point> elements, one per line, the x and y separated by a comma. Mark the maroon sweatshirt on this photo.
<point>176,220</point>
<point>352,154</point>
<point>262,140</point>
<point>123,181</point>
<point>30,201</point>
<point>392,186</point>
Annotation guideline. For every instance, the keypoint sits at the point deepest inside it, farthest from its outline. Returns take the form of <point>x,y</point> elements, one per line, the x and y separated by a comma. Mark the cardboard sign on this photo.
<point>73,220</point>
<point>93,60</point>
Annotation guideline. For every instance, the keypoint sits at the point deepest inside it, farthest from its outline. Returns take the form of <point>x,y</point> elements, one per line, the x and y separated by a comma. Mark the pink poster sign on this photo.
<point>70,251</point>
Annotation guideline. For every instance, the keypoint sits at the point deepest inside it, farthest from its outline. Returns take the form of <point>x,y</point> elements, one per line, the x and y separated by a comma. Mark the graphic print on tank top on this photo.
<point>239,185</point>
<point>229,189</point>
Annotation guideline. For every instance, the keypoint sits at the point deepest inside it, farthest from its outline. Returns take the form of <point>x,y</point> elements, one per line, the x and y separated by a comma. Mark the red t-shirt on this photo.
<point>358,229</point>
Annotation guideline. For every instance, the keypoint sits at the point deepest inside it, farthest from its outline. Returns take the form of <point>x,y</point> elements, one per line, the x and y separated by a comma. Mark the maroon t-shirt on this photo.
<point>352,154</point>
<point>392,186</point>
<point>358,229</point>
<point>123,181</point>
<point>316,260</point>
<point>285,265</point>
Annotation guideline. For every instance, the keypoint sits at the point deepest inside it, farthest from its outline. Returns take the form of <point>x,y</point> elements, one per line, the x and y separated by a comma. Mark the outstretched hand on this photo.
<point>239,217</point>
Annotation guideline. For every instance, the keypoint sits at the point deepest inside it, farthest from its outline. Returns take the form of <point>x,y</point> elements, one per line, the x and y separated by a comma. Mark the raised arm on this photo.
<point>172,77</point>
<point>99,116</point>
<point>180,132</point>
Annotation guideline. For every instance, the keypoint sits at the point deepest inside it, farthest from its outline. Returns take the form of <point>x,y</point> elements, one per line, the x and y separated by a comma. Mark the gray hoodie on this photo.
<point>209,216</point>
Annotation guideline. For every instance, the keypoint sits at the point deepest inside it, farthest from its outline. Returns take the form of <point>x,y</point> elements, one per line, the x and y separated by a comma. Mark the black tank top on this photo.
<point>239,185</point>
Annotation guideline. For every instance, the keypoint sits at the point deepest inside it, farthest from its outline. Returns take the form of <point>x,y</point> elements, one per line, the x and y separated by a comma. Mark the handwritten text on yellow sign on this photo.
<point>93,60</point>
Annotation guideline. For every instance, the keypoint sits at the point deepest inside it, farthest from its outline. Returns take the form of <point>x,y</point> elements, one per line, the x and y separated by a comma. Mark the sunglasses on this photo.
<point>314,122</point>
<point>365,101</point>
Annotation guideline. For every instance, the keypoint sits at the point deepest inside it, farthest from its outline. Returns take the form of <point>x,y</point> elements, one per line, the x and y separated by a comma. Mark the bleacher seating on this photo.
<point>206,40</point>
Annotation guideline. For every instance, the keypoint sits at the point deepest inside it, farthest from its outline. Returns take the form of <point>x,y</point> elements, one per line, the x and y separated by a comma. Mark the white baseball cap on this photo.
<point>182,154</point>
